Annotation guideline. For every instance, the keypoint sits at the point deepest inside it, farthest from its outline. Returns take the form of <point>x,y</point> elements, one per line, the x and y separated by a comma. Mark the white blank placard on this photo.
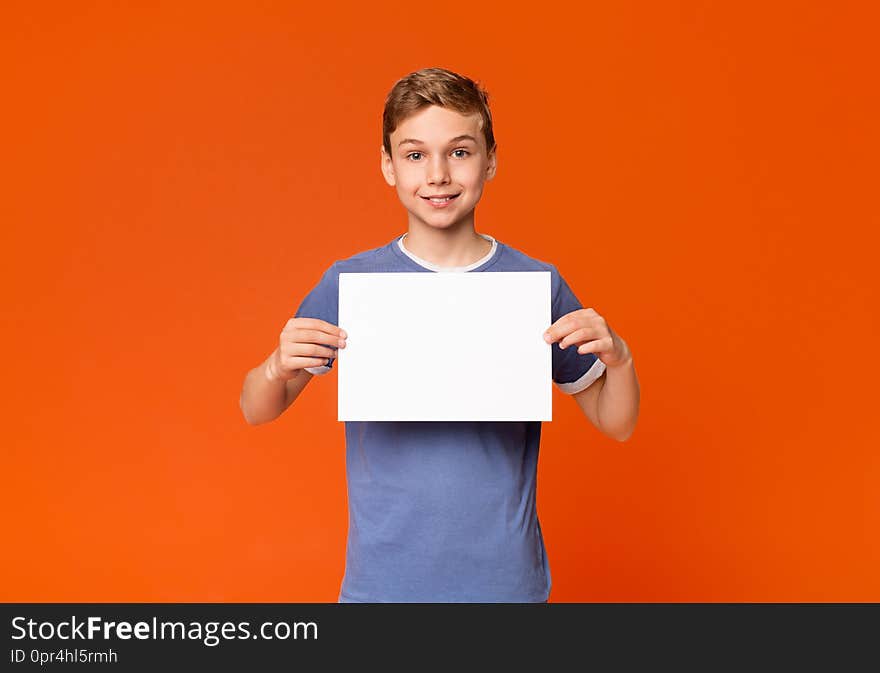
<point>445,347</point>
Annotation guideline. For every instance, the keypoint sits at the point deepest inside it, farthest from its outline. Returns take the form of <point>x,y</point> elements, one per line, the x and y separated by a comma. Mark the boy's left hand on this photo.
<point>589,331</point>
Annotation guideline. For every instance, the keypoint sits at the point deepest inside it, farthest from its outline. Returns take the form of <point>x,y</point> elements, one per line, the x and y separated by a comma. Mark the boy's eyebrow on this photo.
<point>453,140</point>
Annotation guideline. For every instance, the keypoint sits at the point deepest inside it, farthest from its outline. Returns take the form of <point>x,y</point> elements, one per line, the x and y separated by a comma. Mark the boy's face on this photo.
<point>430,157</point>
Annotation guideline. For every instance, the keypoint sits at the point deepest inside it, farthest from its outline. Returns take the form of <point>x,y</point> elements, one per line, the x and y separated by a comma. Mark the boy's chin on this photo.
<point>440,220</point>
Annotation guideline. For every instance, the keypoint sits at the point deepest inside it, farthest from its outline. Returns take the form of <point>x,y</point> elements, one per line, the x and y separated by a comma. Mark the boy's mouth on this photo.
<point>445,198</point>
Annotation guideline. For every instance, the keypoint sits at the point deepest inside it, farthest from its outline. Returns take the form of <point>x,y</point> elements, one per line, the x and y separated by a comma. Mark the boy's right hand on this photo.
<point>300,346</point>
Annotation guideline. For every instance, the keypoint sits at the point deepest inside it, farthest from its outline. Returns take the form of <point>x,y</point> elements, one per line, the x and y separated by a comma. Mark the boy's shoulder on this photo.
<point>363,262</point>
<point>516,260</point>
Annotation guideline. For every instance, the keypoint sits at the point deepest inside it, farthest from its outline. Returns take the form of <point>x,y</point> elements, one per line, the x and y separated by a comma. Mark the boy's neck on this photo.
<point>450,247</point>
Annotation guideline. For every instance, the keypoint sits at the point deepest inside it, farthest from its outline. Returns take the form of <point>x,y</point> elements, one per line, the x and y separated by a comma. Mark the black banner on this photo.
<point>189,636</point>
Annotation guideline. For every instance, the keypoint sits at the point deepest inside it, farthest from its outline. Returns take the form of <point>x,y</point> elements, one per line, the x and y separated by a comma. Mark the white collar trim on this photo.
<point>433,267</point>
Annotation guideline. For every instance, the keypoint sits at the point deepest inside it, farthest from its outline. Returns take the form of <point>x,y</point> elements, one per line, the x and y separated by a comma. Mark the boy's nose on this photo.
<point>437,173</point>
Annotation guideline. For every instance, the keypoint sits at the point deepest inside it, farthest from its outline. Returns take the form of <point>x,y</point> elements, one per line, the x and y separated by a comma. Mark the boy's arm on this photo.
<point>273,386</point>
<point>611,402</point>
<point>588,400</point>
<point>264,398</point>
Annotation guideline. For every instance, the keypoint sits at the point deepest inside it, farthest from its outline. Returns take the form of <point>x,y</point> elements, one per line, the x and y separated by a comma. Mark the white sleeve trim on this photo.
<point>317,371</point>
<point>583,382</point>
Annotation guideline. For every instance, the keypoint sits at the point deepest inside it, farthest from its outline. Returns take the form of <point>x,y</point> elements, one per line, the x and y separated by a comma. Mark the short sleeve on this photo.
<point>572,372</point>
<point>322,303</point>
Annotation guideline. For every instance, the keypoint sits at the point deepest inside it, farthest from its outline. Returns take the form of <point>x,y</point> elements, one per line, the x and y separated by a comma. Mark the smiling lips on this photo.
<point>440,201</point>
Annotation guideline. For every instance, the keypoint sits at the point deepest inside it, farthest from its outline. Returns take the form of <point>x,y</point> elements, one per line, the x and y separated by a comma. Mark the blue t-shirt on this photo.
<point>445,511</point>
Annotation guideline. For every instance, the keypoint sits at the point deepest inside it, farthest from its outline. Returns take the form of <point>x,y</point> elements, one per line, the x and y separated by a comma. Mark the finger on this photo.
<point>298,335</point>
<point>303,362</point>
<point>581,335</point>
<point>569,323</point>
<point>596,346</point>
<point>556,331</point>
<point>316,324</point>
<point>308,350</point>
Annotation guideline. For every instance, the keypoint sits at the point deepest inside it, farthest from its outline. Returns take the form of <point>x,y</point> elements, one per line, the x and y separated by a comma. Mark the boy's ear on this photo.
<point>387,167</point>
<point>492,166</point>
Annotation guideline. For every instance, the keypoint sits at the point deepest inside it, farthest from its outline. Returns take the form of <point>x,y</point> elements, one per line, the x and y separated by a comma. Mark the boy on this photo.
<point>445,511</point>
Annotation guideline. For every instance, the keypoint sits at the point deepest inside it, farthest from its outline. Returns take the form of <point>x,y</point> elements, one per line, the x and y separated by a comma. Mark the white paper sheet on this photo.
<point>445,347</point>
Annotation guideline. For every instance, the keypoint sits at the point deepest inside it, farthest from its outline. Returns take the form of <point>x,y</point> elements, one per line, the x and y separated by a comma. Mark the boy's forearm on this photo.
<point>263,398</point>
<point>618,403</point>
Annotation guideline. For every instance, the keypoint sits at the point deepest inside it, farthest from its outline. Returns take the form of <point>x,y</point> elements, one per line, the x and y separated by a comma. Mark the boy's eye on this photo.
<point>412,155</point>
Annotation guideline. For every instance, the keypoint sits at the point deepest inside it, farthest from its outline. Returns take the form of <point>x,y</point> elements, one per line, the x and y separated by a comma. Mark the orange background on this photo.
<point>177,176</point>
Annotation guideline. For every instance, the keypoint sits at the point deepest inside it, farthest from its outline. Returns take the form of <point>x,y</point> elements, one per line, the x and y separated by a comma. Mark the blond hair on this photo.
<point>435,86</point>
